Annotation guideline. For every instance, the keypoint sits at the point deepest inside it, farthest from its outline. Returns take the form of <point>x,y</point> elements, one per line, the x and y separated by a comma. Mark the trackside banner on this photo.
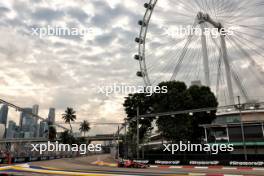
<point>202,162</point>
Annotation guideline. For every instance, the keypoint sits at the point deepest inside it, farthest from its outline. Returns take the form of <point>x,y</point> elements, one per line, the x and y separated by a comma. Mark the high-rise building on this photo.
<point>25,116</point>
<point>35,110</point>
<point>12,130</point>
<point>2,131</point>
<point>43,129</point>
<point>3,114</point>
<point>27,123</point>
<point>51,116</point>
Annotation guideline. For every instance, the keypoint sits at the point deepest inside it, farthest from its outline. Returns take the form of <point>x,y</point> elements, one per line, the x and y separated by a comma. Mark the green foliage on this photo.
<point>178,98</point>
<point>82,140</point>
<point>143,103</point>
<point>67,138</point>
<point>184,127</point>
<point>52,133</point>
<point>69,116</point>
<point>84,127</point>
<point>202,98</point>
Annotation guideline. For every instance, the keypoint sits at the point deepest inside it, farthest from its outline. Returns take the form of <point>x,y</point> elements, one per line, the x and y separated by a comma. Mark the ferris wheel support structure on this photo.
<point>202,18</point>
<point>228,71</point>
<point>205,56</point>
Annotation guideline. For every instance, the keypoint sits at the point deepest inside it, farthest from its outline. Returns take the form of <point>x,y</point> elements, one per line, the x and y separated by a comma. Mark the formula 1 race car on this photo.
<point>131,164</point>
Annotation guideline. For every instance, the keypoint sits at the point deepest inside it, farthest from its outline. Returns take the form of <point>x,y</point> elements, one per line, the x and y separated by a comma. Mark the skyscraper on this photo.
<point>12,130</point>
<point>25,114</point>
<point>35,110</point>
<point>3,114</point>
<point>51,116</point>
<point>27,123</point>
<point>43,129</point>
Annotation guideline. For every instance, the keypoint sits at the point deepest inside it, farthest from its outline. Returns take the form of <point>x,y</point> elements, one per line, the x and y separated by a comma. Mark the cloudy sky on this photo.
<point>66,71</point>
<point>62,71</point>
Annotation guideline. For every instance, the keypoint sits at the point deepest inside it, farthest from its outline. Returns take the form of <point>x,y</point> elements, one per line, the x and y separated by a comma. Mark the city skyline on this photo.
<point>27,126</point>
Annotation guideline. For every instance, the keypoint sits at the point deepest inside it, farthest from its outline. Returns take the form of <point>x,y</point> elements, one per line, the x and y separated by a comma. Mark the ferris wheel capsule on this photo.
<point>138,57</point>
<point>142,23</point>
<point>139,40</point>
<point>140,74</point>
<point>148,6</point>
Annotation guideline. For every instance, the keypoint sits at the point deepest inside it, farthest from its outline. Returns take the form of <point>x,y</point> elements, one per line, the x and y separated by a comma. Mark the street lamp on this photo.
<point>137,132</point>
<point>239,106</point>
<point>150,109</point>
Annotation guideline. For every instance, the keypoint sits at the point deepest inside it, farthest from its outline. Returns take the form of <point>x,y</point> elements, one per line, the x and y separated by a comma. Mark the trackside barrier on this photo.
<point>9,160</point>
<point>5,160</point>
<point>203,163</point>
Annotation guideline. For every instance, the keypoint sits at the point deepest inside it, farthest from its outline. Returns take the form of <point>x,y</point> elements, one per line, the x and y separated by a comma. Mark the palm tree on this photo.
<point>69,116</point>
<point>84,127</point>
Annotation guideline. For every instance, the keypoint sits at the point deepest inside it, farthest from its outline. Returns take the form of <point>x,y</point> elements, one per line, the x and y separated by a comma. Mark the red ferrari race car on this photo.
<point>131,164</point>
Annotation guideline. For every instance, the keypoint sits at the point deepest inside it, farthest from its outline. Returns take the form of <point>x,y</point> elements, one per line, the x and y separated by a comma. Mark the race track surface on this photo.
<point>83,166</point>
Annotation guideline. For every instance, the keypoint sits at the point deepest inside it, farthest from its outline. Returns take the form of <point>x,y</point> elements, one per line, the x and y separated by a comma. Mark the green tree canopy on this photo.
<point>178,98</point>
<point>84,127</point>
<point>69,116</point>
<point>143,103</point>
<point>67,138</point>
<point>52,133</point>
<point>184,127</point>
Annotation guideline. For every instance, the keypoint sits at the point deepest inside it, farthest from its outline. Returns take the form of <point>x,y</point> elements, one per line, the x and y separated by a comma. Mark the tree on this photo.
<point>84,127</point>
<point>202,97</point>
<point>142,102</point>
<point>184,127</point>
<point>52,133</point>
<point>67,138</point>
<point>177,127</point>
<point>69,116</point>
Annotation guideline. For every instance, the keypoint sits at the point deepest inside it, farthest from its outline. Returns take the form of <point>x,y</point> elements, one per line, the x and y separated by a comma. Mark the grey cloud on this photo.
<point>47,14</point>
<point>105,40</point>
<point>4,10</point>
<point>78,13</point>
<point>47,77</point>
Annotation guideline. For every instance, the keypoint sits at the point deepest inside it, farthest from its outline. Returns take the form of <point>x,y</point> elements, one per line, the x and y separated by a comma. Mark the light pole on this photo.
<point>138,132</point>
<point>126,147</point>
<point>242,128</point>
<point>118,142</point>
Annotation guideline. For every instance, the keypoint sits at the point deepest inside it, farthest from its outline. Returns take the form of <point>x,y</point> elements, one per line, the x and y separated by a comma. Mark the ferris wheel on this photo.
<point>218,43</point>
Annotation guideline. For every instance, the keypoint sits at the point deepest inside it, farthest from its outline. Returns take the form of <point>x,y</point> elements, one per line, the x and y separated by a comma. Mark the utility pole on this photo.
<point>138,132</point>
<point>126,146</point>
<point>242,128</point>
<point>118,142</point>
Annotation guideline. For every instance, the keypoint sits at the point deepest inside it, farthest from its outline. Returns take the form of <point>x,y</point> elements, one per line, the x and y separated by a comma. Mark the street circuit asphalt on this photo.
<point>83,166</point>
